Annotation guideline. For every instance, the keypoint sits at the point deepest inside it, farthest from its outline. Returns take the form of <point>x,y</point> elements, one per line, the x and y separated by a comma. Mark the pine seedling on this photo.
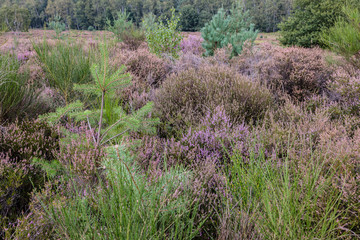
<point>111,120</point>
<point>215,33</point>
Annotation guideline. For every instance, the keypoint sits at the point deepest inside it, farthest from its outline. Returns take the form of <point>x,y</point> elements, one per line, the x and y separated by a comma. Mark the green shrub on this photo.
<point>57,25</point>
<point>15,18</point>
<point>344,36</point>
<point>109,118</point>
<point>164,38</point>
<point>64,65</point>
<point>120,26</point>
<point>148,22</point>
<point>310,18</point>
<point>184,98</point>
<point>223,29</point>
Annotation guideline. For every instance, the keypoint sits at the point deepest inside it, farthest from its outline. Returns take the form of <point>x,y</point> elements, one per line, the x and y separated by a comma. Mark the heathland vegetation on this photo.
<point>114,124</point>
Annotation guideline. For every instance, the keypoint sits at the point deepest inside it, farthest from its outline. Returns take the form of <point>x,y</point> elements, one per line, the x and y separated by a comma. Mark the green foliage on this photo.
<point>304,26</point>
<point>112,121</point>
<point>189,18</point>
<point>164,38</point>
<point>267,14</point>
<point>57,25</point>
<point>16,94</point>
<point>120,26</point>
<point>51,168</point>
<point>215,33</point>
<point>148,22</point>
<point>283,200</point>
<point>127,206</point>
<point>15,18</point>
<point>223,29</point>
<point>344,37</point>
<point>64,64</point>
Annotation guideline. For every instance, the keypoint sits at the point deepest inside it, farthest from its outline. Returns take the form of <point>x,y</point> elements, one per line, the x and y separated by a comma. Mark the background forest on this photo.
<point>85,14</point>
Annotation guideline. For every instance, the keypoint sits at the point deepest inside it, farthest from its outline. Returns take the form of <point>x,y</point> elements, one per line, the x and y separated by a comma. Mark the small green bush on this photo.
<point>148,22</point>
<point>223,29</point>
<point>57,25</point>
<point>120,26</point>
<point>64,65</point>
<point>344,36</point>
<point>164,38</point>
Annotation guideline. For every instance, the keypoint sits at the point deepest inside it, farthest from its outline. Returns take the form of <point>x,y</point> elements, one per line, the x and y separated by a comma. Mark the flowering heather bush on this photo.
<point>28,139</point>
<point>212,139</point>
<point>347,84</point>
<point>303,136</point>
<point>35,224</point>
<point>78,154</point>
<point>187,61</point>
<point>192,44</point>
<point>204,148</point>
<point>143,65</point>
<point>148,72</point>
<point>184,98</point>
<point>298,72</point>
<point>19,143</point>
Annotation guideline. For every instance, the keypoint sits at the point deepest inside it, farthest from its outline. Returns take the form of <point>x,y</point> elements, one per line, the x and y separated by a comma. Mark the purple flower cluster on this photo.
<point>214,138</point>
<point>24,56</point>
<point>192,44</point>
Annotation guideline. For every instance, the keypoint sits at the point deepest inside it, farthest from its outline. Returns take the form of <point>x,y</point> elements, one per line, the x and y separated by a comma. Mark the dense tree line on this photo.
<point>82,14</point>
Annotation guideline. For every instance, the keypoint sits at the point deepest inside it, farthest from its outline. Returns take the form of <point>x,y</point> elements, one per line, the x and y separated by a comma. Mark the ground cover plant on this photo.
<point>109,135</point>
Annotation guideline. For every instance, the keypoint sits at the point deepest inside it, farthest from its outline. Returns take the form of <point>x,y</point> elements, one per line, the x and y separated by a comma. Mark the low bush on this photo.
<point>148,72</point>
<point>79,155</point>
<point>184,98</point>
<point>192,44</point>
<point>213,138</point>
<point>205,148</point>
<point>297,72</point>
<point>164,38</point>
<point>19,143</point>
